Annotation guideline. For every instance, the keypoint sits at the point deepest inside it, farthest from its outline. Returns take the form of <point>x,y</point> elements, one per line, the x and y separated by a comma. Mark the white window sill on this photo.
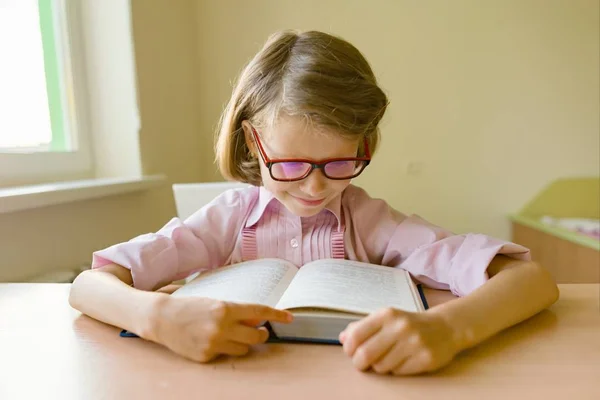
<point>35,196</point>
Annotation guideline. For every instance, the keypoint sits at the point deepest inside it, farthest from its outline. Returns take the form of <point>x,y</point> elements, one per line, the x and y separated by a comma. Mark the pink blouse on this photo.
<point>245,224</point>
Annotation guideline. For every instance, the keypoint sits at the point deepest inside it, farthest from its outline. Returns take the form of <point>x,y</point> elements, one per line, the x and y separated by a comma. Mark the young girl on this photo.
<point>301,123</point>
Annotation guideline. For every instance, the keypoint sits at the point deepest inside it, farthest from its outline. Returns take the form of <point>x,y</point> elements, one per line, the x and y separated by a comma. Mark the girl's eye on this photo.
<point>341,168</point>
<point>290,170</point>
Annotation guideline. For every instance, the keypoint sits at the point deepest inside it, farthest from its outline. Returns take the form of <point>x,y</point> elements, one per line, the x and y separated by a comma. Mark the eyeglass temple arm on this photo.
<point>261,150</point>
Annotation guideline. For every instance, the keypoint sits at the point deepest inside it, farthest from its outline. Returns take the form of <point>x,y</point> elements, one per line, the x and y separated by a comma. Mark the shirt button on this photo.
<point>294,243</point>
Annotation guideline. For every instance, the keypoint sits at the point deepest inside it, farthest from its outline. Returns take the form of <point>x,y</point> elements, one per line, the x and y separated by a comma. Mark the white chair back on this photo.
<point>190,197</point>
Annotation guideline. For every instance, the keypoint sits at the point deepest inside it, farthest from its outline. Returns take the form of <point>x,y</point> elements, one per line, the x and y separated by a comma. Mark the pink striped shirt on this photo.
<point>244,224</point>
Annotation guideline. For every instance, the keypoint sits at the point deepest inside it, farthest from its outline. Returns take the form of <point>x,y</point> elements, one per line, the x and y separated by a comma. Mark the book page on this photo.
<point>258,281</point>
<point>350,286</point>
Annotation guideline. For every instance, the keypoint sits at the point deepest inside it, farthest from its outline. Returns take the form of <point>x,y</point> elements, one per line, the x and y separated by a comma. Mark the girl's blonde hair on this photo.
<point>314,75</point>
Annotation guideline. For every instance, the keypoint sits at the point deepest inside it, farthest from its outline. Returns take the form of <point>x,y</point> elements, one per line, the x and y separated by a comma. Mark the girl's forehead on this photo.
<point>293,137</point>
<point>290,128</point>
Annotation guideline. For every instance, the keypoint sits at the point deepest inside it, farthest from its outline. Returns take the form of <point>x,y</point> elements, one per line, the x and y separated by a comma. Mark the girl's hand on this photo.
<point>200,329</point>
<point>399,342</point>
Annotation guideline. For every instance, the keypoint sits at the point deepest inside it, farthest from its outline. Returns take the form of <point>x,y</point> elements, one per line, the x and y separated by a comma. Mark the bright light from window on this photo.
<point>24,111</point>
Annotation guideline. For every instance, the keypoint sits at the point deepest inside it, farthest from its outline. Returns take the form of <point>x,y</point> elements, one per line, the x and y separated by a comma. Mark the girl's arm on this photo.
<point>106,294</point>
<point>196,328</point>
<point>516,291</point>
<point>393,341</point>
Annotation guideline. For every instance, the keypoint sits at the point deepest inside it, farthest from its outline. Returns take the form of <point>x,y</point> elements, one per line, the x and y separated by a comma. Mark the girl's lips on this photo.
<point>309,202</point>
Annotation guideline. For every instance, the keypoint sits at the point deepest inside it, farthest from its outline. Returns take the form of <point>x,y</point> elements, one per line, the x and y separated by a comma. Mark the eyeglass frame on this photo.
<point>314,165</point>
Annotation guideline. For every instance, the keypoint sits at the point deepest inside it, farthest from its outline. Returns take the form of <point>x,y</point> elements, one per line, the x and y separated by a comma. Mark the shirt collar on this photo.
<point>265,198</point>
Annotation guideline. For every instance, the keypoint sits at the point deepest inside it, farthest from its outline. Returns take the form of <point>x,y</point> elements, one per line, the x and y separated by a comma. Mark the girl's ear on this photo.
<point>250,142</point>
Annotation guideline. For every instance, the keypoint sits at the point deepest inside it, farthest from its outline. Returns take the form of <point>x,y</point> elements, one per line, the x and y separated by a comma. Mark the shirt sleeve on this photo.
<point>433,255</point>
<point>202,241</point>
<point>443,260</point>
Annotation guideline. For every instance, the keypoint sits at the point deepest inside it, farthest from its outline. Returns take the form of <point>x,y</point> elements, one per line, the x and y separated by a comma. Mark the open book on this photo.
<point>324,296</point>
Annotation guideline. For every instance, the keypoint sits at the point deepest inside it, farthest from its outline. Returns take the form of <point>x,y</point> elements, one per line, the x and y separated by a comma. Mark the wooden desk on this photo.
<point>50,351</point>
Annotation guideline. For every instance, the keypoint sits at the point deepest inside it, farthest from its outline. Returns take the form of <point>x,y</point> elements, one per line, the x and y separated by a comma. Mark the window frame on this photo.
<point>70,154</point>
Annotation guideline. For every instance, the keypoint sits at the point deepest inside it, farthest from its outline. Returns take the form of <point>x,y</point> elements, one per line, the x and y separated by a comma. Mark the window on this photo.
<point>42,130</point>
<point>34,78</point>
<point>64,63</point>
<point>68,103</point>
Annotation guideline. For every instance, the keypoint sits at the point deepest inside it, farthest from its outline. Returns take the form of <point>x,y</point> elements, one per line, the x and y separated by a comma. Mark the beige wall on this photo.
<point>493,99</point>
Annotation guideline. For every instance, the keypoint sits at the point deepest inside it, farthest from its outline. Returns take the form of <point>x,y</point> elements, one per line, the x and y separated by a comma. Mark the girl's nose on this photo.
<point>314,184</point>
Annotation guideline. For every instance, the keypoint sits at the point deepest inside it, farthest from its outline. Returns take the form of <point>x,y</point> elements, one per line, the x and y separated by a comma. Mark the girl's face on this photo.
<point>291,138</point>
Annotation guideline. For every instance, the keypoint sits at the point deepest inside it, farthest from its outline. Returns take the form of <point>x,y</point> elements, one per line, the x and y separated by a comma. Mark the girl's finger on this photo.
<point>374,348</point>
<point>414,364</point>
<point>356,335</point>
<point>258,312</point>
<point>394,358</point>
<point>233,348</point>
<point>246,335</point>
<point>357,332</point>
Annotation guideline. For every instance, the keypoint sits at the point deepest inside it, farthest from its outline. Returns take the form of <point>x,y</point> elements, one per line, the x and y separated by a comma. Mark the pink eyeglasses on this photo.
<point>296,169</point>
